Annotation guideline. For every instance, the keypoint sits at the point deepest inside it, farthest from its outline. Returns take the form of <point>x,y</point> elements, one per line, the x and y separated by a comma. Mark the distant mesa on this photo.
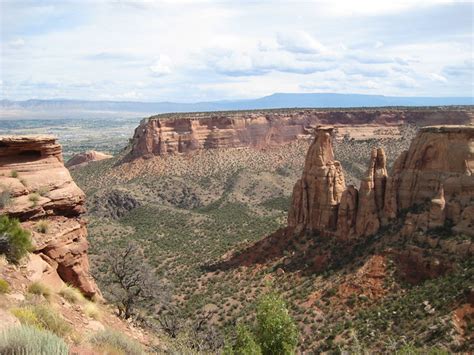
<point>85,158</point>
<point>184,133</point>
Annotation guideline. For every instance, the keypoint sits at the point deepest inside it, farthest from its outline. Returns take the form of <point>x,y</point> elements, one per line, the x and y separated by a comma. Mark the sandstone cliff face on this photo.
<point>36,187</point>
<point>184,133</point>
<point>433,179</point>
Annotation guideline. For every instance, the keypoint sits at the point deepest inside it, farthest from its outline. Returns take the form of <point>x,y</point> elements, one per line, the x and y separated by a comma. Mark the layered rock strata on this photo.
<point>37,189</point>
<point>185,133</point>
<point>431,184</point>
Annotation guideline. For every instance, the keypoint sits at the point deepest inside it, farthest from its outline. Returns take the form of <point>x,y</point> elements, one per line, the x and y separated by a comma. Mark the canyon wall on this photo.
<point>431,184</point>
<point>36,188</point>
<point>184,133</point>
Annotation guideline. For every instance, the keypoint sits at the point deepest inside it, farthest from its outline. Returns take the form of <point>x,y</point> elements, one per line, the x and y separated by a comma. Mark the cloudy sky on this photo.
<point>211,50</point>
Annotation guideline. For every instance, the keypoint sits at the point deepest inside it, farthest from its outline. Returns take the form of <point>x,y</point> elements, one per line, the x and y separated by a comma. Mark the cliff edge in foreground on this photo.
<point>37,189</point>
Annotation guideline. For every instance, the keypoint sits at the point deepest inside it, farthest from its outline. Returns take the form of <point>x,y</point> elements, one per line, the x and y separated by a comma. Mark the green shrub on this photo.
<point>39,288</point>
<point>412,350</point>
<point>14,174</point>
<point>51,320</point>
<point>5,197</point>
<point>245,343</point>
<point>4,286</point>
<point>276,331</point>
<point>15,241</point>
<point>72,294</point>
<point>117,341</point>
<point>42,226</point>
<point>30,340</point>
<point>26,316</point>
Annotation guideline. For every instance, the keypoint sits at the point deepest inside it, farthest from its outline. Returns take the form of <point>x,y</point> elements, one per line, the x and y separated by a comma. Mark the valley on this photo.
<point>191,210</point>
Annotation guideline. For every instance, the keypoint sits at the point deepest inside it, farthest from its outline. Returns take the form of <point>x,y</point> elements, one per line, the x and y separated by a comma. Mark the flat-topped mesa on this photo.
<point>436,169</point>
<point>316,196</point>
<point>435,172</point>
<point>36,188</point>
<point>185,133</point>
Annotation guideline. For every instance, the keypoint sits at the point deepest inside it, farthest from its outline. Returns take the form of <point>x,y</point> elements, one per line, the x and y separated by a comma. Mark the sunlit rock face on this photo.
<point>185,133</point>
<point>435,173</point>
<point>37,188</point>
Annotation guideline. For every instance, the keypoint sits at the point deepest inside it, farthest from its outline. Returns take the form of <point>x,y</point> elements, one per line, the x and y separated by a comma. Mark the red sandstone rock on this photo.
<point>184,133</point>
<point>316,196</point>
<point>371,195</point>
<point>436,172</point>
<point>40,187</point>
<point>85,158</point>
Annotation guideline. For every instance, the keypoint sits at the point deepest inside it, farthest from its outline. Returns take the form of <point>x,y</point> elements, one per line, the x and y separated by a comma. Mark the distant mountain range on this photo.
<point>63,108</point>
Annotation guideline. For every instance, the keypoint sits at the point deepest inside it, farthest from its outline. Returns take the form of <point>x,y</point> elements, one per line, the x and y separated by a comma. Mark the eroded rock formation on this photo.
<point>37,188</point>
<point>184,133</point>
<point>317,195</point>
<point>431,183</point>
<point>82,159</point>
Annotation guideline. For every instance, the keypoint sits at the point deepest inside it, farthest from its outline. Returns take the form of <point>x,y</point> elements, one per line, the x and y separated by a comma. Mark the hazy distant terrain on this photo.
<point>62,108</point>
<point>105,134</point>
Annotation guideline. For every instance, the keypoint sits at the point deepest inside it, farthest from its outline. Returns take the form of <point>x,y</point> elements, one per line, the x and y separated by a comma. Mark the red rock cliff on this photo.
<point>184,133</point>
<point>435,172</point>
<point>36,187</point>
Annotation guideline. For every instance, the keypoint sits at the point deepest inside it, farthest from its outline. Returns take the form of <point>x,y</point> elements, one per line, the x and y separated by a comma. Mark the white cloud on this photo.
<point>437,77</point>
<point>161,66</point>
<point>300,42</point>
<point>17,43</point>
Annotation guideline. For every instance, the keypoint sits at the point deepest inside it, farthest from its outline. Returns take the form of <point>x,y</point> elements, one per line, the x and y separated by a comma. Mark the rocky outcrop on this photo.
<point>185,133</point>
<point>37,189</point>
<point>431,184</point>
<point>82,159</point>
<point>317,195</point>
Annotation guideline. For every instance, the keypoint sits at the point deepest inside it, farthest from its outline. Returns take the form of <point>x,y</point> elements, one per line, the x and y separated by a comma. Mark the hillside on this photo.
<point>195,213</point>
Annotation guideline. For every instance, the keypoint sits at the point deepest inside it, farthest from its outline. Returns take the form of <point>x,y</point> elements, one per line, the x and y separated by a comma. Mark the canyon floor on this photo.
<point>189,212</point>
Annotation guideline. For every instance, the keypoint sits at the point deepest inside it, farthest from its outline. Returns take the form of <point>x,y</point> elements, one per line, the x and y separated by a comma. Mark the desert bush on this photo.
<point>51,320</point>
<point>276,331</point>
<point>26,316</point>
<point>42,316</point>
<point>14,174</point>
<point>92,311</point>
<point>15,241</point>
<point>5,197</point>
<point>72,294</point>
<point>4,286</point>
<point>39,288</point>
<point>42,226</point>
<point>245,343</point>
<point>116,341</point>
<point>30,340</point>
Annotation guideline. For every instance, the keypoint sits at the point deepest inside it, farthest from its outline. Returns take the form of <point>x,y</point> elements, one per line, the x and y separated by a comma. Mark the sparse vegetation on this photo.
<point>42,226</point>
<point>115,341</point>
<point>39,288</point>
<point>4,286</point>
<point>34,198</point>
<point>92,311</point>
<point>72,294</point>
<point>42,316</point>
<point>14,174</point>
<point>15,242</point>
<point>30,340</point>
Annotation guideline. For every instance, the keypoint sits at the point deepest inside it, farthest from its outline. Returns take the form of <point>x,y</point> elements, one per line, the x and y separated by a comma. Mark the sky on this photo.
<point>186,51</point>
